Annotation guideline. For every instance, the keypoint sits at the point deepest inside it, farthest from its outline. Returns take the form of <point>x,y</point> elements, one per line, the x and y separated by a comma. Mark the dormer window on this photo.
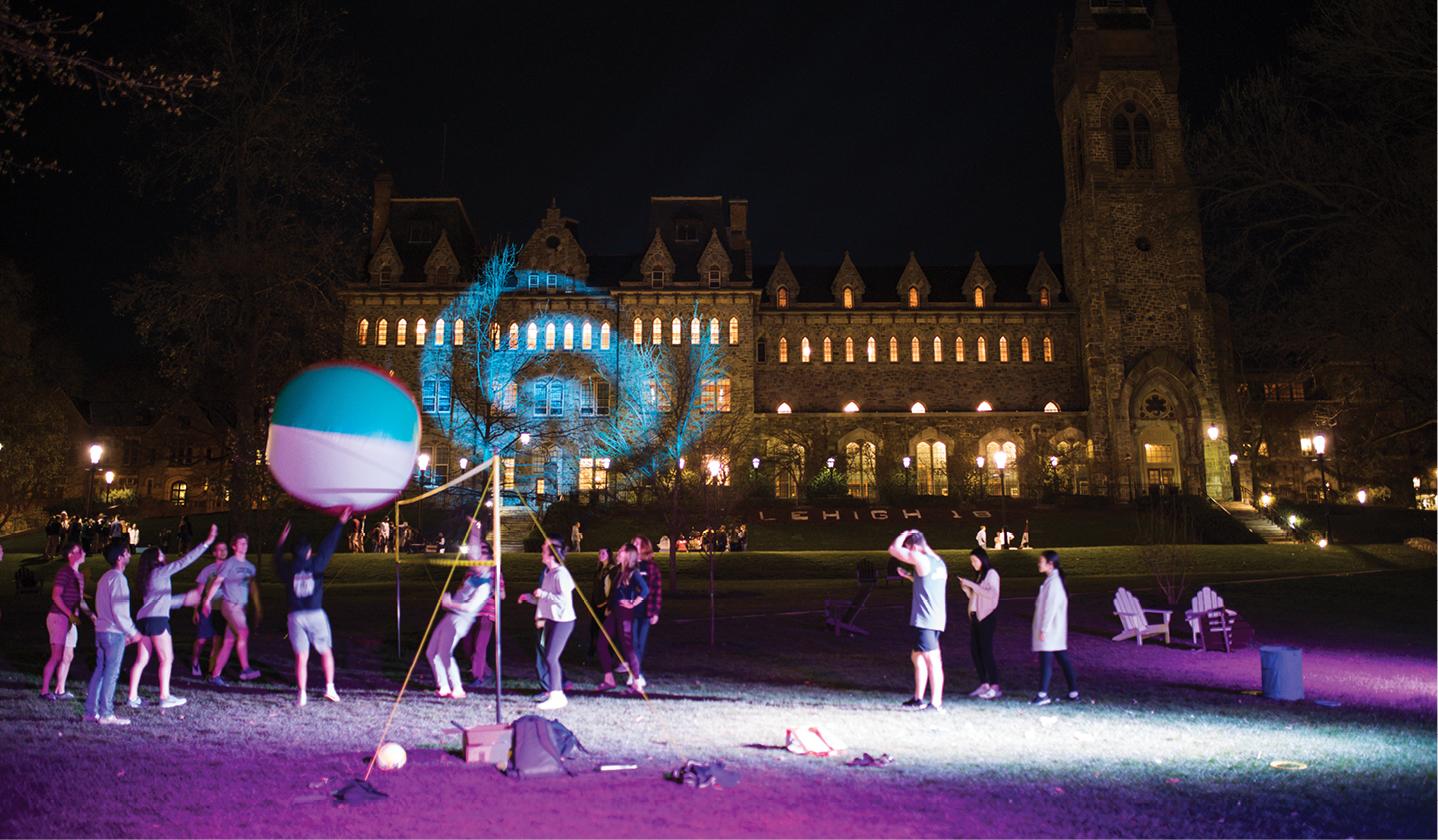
<point>782,297</point>
<point>1044,298</point>
<point>534,280</point>
<point>686,232</point>
<point>979,297</point>
<point>386,273</point>
<point>848,298</point>
<point>656,278</point>
<point>714,278</point>
<point>913,297</point>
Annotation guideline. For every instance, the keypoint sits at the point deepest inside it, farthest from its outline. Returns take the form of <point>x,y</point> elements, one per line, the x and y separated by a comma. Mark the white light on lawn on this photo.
<point>1322,542</point>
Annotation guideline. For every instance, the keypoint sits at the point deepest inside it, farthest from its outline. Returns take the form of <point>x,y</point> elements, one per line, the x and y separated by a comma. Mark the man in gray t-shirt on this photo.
<point>928,615</point>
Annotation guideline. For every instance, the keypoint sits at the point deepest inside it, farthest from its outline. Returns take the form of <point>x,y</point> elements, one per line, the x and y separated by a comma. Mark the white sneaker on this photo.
<point>979,692</point>
<point>172,701</point>
<point>332,695</point>
<point>301,701</point>
<point>113,721</point>
<point>992,694</point>
<point>556,700</point>
<point>135,702</point>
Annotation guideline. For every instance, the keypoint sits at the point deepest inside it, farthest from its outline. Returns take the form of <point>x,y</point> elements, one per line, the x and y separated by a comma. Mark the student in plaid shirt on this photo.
<point>67,602</point>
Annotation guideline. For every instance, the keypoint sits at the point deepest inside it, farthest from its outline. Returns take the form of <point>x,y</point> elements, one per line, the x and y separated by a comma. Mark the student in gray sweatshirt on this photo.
<point>156,602</point>
<point>113,630</point>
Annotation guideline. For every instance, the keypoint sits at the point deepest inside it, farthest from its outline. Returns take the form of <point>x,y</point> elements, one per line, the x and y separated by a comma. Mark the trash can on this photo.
<point>1282,672</point>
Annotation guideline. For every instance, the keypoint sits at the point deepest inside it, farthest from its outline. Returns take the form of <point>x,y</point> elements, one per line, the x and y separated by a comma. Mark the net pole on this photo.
<point>497,479</point>
<point>398,640</point>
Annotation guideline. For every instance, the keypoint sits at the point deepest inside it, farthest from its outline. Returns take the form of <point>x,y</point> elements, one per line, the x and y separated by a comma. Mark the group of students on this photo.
<point>229,579</point>
<point>928,616</point>
<point>626,598</point>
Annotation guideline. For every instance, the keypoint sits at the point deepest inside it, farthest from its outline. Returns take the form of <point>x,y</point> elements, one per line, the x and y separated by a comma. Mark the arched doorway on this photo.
<point>1159,460</point>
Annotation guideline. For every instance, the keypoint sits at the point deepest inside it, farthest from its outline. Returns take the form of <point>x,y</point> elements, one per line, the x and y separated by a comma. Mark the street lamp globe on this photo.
<point>830,462</point>
<point>524,438</point>
<point>1213,431</point>
<point>755,462</point>
<point>463,464</point>
<point>1232,458</point>
<point>1417,483</point>
<point>1362,497</point>
<point>423,461</point>
<point>109,476</point>
<point>96,450</point>
<point>979,461</point>
<point>1320,444</point>
<point>1001,459</point>
<point>907,461</point>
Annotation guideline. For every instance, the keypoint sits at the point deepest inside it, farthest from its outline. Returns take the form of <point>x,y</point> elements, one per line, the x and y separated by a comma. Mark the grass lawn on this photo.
<point>1166,741</point>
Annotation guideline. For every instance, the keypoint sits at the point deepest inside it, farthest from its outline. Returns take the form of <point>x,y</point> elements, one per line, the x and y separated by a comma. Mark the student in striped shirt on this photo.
<point>67,602</point>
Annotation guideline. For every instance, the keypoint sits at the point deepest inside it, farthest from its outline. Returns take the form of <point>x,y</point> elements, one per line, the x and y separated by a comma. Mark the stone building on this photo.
<point>1100,374</point>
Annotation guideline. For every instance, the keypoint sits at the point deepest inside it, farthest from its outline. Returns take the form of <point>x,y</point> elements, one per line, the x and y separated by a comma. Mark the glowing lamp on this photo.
<point>980,461</point>
<point>715,468</point>
<point>96,450</point>
<point>524,438</point>
<point>1322,542</point>
<point>755,462</point>
<point>681,462</point>
<point>1417,483</point>
<point>1305,444</point>
<point>1265,500</point>
<point>109,476</point>
<point>1362,497</point>
<point>1232,458</point>
<point>1320,444</point>
<point>907,461</point>
<point>422,461</point>
<point>830,462</point>
<point>1213,431</point>
<point>1001,459</point>
<point>463,464</point>
<point>1292,521</point>
<point>1053,460</point>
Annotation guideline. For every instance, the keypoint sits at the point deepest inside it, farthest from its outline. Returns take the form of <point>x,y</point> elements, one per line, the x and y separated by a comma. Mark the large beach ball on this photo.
<point>343,434</point>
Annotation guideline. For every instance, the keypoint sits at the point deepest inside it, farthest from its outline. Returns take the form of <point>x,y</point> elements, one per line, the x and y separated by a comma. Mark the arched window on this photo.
<point>804,349</point>
<point>958,348</point>
<point>782,297</point>
<point>938,349</point>
<point>656,334</point>
<point>439,332</point>
<point>381,332</point>
<point>401,332</point>
<point>363,331</point>
<point>1003,348</point>
<point>979,297</point>
<point>604,336</point>
<point>568,335</point>
<point>981,349</point>
<point>983,406</point>
<point>713,330</point>
<point>531,336</point>
<point>695,328</point>
<point>1024,355</point>
<point>549,334</point>
<point>915,354</point>
<point>638,332</point>
<point>828,350</point>
<point>917,408</point>
<point>459,333</point>
<point>733,331</point>
<point>495,334</point>
<point>783,350</point>
<point>859,463</point>
<point>851,407</point>
<point>872,350</point>
<point>893,348</point>
<point>513,336</point>
<point>931,468</point>
<point>586,336</point>
<point>1132,138</point>
<point>1044,297</point>
<point>849,348</point>
<point>676,331</point>
<point>1048,349</point>
<point>179,491</point>
<point>1051,407</point>
<point>419,333</point>
<point>783,409</point>
<point>848,298</point>
<point>1142,142</point>
<point>913,297</point>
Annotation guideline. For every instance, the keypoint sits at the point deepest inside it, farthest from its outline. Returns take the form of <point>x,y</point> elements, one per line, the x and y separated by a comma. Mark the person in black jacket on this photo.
<point>303,577</point>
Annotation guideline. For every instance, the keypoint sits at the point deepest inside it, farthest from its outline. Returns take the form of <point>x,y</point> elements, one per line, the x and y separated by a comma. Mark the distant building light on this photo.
<point>784,409</point>
<point>917,408</point>
<point>851,407</point>
<point>984,406</point>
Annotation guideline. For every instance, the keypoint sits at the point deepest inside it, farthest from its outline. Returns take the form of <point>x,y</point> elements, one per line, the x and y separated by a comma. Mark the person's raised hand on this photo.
<point>285,532</point>
<point>346,514</point>
<point>214,531</point>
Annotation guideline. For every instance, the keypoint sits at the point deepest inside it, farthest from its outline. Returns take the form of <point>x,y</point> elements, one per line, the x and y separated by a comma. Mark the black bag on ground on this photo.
<point>536,751</point>
<point>565,741</point>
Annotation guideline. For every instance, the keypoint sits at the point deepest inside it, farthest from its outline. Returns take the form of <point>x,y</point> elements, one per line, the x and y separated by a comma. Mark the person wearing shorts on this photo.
<point>205,629</point>
<point>927,615</point>
<point>67,603</point>
<point>303,577</point>
<point>234,584</point>
<point>157,600</point>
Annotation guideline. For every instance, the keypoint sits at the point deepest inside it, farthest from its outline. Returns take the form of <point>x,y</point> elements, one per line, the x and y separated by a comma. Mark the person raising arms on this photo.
<point>927,615</point>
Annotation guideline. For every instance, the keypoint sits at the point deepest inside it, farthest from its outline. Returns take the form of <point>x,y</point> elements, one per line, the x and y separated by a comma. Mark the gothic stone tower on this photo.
<point>1133,256</point>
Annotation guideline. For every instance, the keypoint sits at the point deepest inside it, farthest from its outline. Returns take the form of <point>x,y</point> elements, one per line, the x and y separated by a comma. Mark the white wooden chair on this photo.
<point>1134,618</point>
<point>1205,601</point>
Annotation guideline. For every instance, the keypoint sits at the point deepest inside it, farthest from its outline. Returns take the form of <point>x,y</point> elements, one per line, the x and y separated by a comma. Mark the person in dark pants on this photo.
<point>652,604</point>
<point>630,590</point>
<point>554,602</point>
<point>599,596</point>
<point>1051,629</point>
<point>983,592</point>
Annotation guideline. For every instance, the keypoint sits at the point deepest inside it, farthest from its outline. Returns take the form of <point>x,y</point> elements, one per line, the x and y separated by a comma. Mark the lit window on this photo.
<point>178,493</point>
<point>1044,297</point>
<point>568,336</point>
<point>419,331</point>
<point>586,336</point>
<point>401,332</point>
<point>733,331</point>
<point>849,348</point>
<point>531,336</point>
<point>1003,348</point>
<point>381,333</point>
<point>459,333</point>
<point>848,298</point>
<point>783,409</point>
<point>783,350</point>
<point>1051,407</point>
<point>872,350</point>
<point>1024,350</point>
<point>713,330</point>
<point>1158,453</point>
<point>782,297</point>
<point>804,349</point>
<point>594,397</point>
<point>915,353</point>
<point>676,331</point>
<point>893,349</point>
<point>938,349</point>
<point>694,330</point>
<point>931,468</point>
<point>851,407</point>
<point>435,396</point>
<point>363,331</point>
<point>494,333</point>
<point>979,297</point>
<point>917,408</point>
<point>913,297</point>
<point>604,336</point>
<point>1048,349</point>
<point>439,332</point>
<point>592,474</point>
<point>981,349</point>
<point>638,331</point>
<point>828,350</point>
<point>958,348</point>
<point>714,395</point>
<point>656,334</point>
<point>549,332</point>
<point>714,278</point>
<point>513,336</point>
<point>984,406</point>
<point>860,458</point>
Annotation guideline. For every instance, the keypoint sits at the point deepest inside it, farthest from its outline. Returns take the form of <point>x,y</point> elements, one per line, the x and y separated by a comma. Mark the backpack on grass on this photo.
<point>540,747</point>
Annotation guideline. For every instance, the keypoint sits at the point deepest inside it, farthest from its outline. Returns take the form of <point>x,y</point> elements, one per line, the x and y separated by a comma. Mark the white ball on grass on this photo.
<point>391,756</point>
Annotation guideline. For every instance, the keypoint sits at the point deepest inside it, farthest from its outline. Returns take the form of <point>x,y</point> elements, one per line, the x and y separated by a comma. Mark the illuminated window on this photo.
<point>549,332</point>
<point>984,406</point>
<point>917,408</point>
<point>872,350</point>
<point>979,297</point>
<point>783,409</point>
<point>656,335</point>
<point>1051,407</point>
<point>931,468</point>
<point>733,331</point>
<point>638,332</point>
<point>828,350</point>
<point>893,349</point>
<point>568,336</point>
<point>1003,348</point>
<point>695,328</point>
<point>938,349</point>
<point>592,474</point>
<point>913,297</point>
<point>1158,453</point>
<point>1009,484</point>
<point>513,336</point>
<point>1044,297</point>
<point>401,332</point>
<point>915,353</point>
<point>958,348</point>
<point>531,336</point>
<point>859,462</point>
<point>363,331</point>
<point>419,331</point>
<point>459,333</point>
<point>604,336</point>
<point>381,333</point>
<point>782,297</point>
<point>848,298</point>
<point>178,493</point>
<point>1048,349</point>
<point>804,349</point>
<point>713,330</point>
<point>494,332</point>
<point>676,331</point>
<point>439,332</point>
<point>435,396</point>
<point>849,348</point>
<point>783,350</point>
<point>1024,350</point>
<point>981,349</point>
<point>586,336</point>
<point>851,408</point>
<point>715,394</point>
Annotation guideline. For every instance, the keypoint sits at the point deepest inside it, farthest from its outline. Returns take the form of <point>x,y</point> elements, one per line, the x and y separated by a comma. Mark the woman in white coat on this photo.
<point>1051,629</point>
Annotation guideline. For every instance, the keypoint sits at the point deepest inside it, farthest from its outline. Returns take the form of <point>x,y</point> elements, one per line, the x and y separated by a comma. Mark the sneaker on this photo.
<point>334,696</point>
<point>915,703</point>
<point>1041,699</point>
<point>540,697</point>
<point>979,692</point>
<point>301,701</point>
<point>62,695</point>
<point>134,702</point>
<point>556,700</point>
<point>622,669</point>
<point>606,685</point>
<point>442,694</point>
<point>113,721</point>
<point>939,708</point>
<point>172,701</point>
<point>992,694</point>
<point>195,670</point>
<point>250,674</point>
<point>46,695</point>
<point>458,693</point>
<point>1073,697</point>
<point>219,682</point>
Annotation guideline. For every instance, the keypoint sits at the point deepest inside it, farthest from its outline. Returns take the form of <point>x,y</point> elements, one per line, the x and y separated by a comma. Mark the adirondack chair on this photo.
<point>841,614</point>
<point>1134,618</point>
<point>1205,600</point>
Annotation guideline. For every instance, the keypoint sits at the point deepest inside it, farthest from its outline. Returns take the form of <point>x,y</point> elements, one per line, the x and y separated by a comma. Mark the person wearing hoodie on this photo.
<point>303,579</point>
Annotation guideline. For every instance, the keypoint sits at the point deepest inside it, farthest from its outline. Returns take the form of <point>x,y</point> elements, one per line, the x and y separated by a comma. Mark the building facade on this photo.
<point>1099,375</point>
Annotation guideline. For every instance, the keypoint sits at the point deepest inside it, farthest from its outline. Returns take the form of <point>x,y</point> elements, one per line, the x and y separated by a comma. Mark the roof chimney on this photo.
<point>379,219</point>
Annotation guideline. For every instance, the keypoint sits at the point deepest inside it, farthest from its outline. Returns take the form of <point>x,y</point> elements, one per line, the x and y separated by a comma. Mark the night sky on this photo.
<point>861,126</point>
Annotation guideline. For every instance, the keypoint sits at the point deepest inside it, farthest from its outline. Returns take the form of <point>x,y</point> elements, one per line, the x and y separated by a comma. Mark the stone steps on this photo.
<point>1260,525</point>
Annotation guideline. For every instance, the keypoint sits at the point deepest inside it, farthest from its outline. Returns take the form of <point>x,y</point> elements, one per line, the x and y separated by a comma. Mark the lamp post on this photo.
<point>1320,445</point>
<point>96,450</point>
<point>423,463</point>
<point>1001,460</point>
<point>983,479</point>
<point>908,474</point>
<point>1233,476</point>
<point>109,480</point>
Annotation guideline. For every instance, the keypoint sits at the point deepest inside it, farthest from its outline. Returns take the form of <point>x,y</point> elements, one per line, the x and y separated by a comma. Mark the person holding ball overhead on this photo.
<point>303,577</point>
<point>927,615</point>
